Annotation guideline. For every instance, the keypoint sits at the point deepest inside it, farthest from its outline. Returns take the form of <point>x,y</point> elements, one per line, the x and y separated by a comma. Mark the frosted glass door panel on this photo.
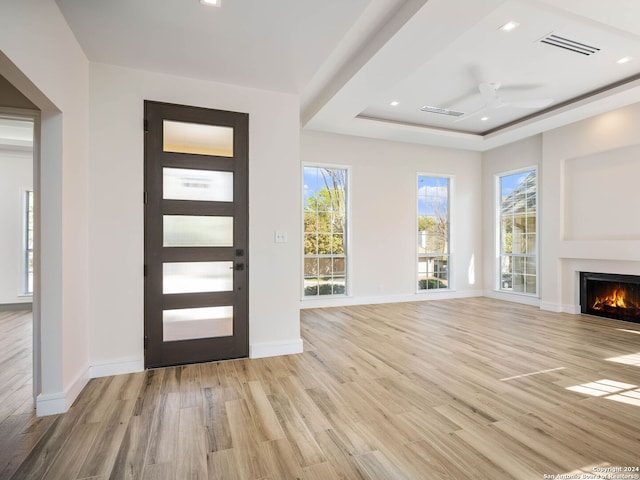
<point>200,185</point>
<point>195,277</point>
<point>197,231</point>
<point>192,323</point>
<point>182,137</point>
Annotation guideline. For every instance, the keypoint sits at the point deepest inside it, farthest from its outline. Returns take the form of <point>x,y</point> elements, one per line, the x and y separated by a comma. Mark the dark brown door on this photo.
<point>196,222</point>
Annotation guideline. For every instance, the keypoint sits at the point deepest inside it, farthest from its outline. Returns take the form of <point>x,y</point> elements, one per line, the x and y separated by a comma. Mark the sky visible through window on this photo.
<point>313,182</point>
<point>509,183</point>
<point>432,192</point>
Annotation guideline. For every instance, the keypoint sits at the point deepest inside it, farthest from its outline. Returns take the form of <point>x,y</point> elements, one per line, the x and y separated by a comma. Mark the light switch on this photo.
<point>280,237</point>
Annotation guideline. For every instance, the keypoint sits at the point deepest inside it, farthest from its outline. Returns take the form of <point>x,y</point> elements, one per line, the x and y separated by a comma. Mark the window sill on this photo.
<point>520,294</point>
<point>435,290</point>
<point>322,297</point>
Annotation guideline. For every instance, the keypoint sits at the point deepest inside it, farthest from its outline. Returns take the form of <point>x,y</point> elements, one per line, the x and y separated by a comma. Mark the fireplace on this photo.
<point>610,295</point>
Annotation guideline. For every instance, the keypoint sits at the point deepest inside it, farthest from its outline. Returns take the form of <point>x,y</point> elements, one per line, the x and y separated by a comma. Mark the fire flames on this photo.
<point>615,299</point>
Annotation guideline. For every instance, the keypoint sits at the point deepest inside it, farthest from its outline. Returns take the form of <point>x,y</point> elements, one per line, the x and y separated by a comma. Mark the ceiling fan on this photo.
<point>492,100</point>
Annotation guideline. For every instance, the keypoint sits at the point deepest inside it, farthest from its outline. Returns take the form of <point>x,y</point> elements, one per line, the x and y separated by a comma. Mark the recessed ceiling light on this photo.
<point>623,60</point>
<point>484,119</point>
<point>394,103</point>
<point>507,27</point>
<point>212,3</point>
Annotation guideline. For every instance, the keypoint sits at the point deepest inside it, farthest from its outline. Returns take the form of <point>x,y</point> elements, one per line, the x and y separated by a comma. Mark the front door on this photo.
<point>196,223</point>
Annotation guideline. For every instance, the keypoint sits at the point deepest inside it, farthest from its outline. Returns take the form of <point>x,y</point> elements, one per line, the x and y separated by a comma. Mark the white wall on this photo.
<point>40,56</point>
<point>383,215</point>
<point>16,176</point>
<point>116,210</point>
<point>518,155</point>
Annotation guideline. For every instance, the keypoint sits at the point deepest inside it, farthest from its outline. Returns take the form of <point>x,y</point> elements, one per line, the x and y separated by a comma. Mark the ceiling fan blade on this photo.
<point>460,98</point>
<point>474,73</point>
<point>520,87</point>
<point>535,103</point>
<point>471,114</point>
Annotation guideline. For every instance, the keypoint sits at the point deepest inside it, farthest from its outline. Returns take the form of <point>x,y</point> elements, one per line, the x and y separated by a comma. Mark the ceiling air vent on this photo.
<point>568,44</point>
<point>441,111</point>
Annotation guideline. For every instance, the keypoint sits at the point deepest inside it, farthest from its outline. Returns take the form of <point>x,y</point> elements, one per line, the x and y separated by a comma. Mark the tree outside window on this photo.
<point>325,219</point>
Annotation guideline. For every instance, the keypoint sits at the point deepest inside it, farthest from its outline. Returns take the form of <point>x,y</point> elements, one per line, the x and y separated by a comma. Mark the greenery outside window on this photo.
<point>517,206</point>
<point>325,229</point>
<point>433,233</point>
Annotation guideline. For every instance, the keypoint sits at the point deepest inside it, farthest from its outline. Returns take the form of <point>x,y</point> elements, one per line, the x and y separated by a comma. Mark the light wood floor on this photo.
<point>16,339</point>
<point>454,389</point>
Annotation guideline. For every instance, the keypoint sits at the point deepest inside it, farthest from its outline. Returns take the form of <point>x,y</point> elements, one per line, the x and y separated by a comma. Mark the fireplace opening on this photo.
<point>610,295</point>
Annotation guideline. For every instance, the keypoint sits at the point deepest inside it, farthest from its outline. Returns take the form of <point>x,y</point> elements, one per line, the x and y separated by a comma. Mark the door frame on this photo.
<point>35,117</point>
<point>237,345</point>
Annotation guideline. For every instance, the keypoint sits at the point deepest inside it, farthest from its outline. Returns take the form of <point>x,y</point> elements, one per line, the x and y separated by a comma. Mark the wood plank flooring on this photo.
<point>19,429</point>
<point>16,339</point>
<point>452,389</point>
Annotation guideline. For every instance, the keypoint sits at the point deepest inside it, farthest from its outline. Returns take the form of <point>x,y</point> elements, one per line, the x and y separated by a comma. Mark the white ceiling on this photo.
<point>274,45</point>
<point>349,59</point>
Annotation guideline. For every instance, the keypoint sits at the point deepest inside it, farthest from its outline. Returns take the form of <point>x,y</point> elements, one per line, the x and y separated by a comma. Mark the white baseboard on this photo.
<point>574,309</point>
<point>558,308</point>
<point>273,349</point>
<point>513,297</point>
<point>550,307</point>
<point>374,300</point>
<point>55,403</point>
<point>51,404</point>
<point>118,367</point>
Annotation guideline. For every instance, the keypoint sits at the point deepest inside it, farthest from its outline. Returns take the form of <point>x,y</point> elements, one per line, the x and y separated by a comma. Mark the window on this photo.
<point>433,233</point>
<point>517,205</point>
<point>27,280</point>
<point>325,227</point>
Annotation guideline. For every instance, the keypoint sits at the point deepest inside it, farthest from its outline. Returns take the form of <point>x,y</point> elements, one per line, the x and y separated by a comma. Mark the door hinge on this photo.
<point>146,341</point>
<point>145,270</point>
<point>146,125</point>
<point>145,197</point>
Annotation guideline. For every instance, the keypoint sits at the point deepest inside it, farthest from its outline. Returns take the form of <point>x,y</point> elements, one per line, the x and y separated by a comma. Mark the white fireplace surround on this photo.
<point>573,267</point>
<point>589,202</point>
<point>590,172</point>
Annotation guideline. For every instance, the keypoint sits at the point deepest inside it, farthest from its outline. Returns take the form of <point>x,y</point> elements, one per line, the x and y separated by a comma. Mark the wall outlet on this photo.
<point>280,237</point>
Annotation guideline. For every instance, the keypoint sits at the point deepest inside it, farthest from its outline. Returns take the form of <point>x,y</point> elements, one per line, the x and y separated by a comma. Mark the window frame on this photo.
<point>27,196</point>
<point>498,232</point>
<point>346,235</point>
<point>450,209</point>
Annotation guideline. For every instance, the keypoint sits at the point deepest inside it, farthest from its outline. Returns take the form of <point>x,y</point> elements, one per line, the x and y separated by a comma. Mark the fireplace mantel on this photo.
<point>601,250</point>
